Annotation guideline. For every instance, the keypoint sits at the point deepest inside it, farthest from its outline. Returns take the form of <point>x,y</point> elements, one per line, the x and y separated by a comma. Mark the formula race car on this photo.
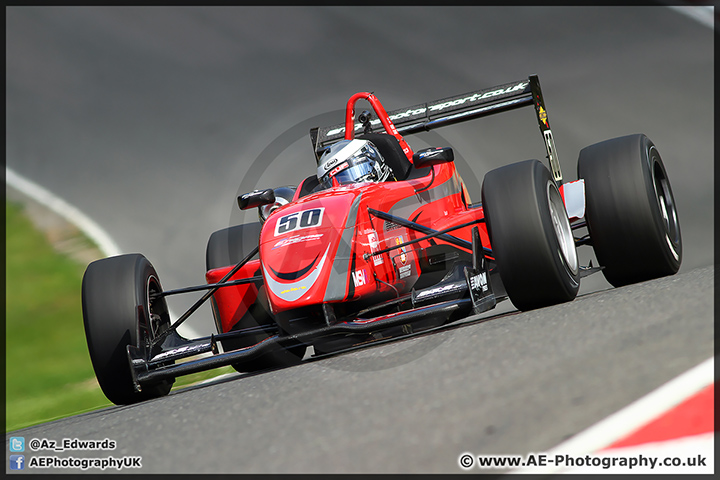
<point>383,242</point>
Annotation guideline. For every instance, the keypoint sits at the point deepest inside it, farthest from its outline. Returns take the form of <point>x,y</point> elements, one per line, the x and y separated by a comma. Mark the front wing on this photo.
<point>444,303</point>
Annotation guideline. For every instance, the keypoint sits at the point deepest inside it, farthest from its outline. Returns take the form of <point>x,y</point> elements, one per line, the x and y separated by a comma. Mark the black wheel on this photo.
<point>227,247</point>
<point>117,312</point>
<point>530,235</point>
<point>630,211</point>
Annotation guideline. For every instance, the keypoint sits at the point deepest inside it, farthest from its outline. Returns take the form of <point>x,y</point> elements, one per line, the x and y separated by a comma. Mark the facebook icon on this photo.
<point>17,462</point>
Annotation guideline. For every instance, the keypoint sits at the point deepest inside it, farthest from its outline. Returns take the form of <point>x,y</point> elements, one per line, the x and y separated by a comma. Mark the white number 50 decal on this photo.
<point>299,220</point>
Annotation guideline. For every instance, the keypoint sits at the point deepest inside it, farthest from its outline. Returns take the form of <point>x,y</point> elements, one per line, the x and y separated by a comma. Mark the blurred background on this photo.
<point>151,120</point>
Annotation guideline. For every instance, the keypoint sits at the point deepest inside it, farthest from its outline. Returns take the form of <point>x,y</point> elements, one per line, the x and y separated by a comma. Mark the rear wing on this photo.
<point>424,117</point>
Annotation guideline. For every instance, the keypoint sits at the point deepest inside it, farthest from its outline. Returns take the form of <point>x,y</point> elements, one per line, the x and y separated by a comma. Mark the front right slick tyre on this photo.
<point>530,235</point>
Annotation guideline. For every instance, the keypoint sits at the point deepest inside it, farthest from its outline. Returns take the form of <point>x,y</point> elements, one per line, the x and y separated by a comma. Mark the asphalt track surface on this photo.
<point>150,121</point>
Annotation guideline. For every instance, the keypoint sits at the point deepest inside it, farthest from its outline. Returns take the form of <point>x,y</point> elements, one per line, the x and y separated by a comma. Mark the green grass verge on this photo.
<point>48,369</point>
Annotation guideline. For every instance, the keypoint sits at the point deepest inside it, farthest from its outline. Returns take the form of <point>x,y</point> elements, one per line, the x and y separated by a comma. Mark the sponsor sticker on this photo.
<point>436,108</point>
<point>542,115</point>
<point>297,239</point>
<point>339,168</point>
<point>359,278</point>
<point>432,292</point>
<point>479,282</point>
<point>403,256</point>
<point>374,247</point>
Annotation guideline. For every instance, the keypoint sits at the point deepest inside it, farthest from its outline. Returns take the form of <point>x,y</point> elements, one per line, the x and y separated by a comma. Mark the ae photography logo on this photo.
<point>272,163</point>
<point>602,462</point>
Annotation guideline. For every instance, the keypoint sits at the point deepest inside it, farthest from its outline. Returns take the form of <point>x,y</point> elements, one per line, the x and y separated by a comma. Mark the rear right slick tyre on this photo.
<point>631,212</point>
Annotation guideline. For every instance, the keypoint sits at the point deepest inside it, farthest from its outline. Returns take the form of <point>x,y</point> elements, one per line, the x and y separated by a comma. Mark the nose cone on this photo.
<point>299,247</point>
<point>292,267</point>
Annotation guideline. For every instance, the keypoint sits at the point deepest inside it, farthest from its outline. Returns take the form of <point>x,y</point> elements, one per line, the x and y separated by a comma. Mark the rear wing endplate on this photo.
<point>427,116</point>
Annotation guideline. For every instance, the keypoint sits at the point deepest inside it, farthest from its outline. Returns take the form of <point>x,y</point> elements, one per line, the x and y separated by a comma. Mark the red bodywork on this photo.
<point>312,250</point>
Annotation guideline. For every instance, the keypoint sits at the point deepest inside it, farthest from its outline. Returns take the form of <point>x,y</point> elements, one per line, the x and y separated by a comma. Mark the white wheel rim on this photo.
<point>666,204</point>
<point>561,224</point>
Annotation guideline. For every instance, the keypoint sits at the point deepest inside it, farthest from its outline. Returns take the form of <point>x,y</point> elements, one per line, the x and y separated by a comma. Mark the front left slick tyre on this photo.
<point>118,310</point>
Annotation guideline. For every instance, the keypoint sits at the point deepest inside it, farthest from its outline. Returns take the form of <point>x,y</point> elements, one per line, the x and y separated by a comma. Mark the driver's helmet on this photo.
<point>352,161</point>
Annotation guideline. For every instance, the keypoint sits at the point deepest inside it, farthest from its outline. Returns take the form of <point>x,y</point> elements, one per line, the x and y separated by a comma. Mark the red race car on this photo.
<point>383,242</point>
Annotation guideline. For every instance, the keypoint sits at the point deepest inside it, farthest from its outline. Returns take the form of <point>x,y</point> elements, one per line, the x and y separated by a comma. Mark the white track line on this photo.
<point>704,14</point>
<point>73,215</point>
<point>224,376</point>
<point>635,415</point>
<point>70,213</point>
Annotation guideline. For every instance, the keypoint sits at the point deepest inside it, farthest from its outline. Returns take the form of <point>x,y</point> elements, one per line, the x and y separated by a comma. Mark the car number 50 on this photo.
<point>299,220</point>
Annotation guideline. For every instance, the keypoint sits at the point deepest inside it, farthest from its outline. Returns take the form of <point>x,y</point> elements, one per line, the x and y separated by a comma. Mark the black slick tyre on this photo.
<point>227,247</point>
<point>630,210</point>
<point>117,312</point>
<point>530,235</point>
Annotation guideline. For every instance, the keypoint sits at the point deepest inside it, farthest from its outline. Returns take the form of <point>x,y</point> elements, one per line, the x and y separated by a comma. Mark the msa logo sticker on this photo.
<point>359,278</point>
<point>299,220</point>
<point>374,247</point>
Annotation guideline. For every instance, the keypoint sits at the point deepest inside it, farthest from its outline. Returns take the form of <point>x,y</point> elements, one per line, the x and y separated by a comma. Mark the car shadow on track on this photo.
<point>312,358</point>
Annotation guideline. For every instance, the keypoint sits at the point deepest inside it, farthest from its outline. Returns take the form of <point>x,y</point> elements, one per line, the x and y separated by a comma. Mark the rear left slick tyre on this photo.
<point>117,312</point>
<point>530,234</point>
<point>631,212</point>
